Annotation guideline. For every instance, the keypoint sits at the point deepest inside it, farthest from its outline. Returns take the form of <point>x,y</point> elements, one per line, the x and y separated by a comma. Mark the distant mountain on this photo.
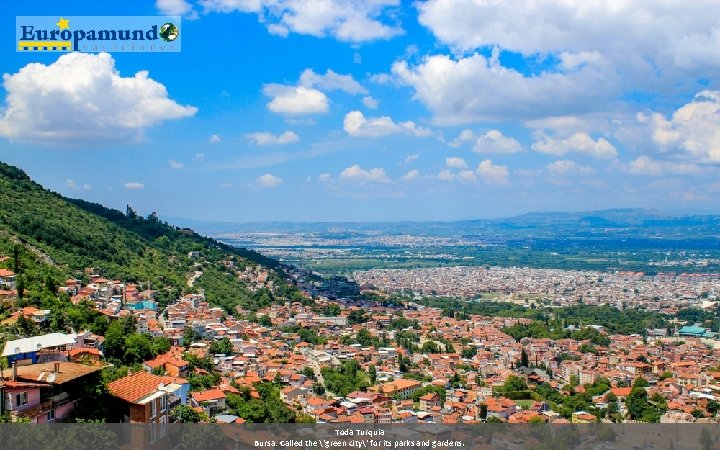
<point>51,237</point>
<point>639,221</point>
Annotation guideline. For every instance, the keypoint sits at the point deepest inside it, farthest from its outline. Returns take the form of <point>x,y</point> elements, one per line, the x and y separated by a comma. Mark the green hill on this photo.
<point>47,238</point>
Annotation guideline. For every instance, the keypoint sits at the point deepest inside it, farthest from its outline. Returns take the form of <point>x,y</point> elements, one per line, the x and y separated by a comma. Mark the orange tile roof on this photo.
<point>212,394</point>
<point>136,386</point>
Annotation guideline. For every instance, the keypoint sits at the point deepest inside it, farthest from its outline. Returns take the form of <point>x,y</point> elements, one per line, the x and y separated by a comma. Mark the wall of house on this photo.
<point>33,398</point>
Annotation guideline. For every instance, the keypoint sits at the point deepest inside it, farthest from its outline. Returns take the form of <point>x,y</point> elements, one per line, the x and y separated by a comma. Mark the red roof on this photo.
<point>204,396</point>
<point>136,386</point>
<point>6,273</point>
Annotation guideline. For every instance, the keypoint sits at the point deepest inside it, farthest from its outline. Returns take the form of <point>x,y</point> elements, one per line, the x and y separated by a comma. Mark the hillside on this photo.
<point>46,238</point>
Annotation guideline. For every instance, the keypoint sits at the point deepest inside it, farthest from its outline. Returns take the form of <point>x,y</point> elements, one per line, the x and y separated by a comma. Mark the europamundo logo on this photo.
<point>98,34</point>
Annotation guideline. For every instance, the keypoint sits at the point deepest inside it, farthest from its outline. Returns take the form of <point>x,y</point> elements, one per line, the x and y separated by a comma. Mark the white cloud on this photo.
<point>475,88</point>
<point>644,165</point>
<point>446,175</point>
<point>229,6</point>
<point>331,81</point>
<point>324,178</point>
<point>199,157</point>
<point>214,139</point>
<point>73,185</point>
<point>268,180</point>
<point>491,173</point>
<point>579,142</point>
<point>359,175</point>
<point>693,130</point>
<point>175,8</point>
<point>494,142</point>
<point>356,124</point>
<point>464,136</point>
<point>411,158</point>
<point>295,99</point>
<point>467,176</point>
<point>370,102</point>
<point>267,138</point>
<point>455,163</point>
<point>637,34</point>
<point>175,164</point>
<point>133,185</point>
<point>345,20</point>
<point>81,98</point>
<point>411,175</point>
<point>565,167</point>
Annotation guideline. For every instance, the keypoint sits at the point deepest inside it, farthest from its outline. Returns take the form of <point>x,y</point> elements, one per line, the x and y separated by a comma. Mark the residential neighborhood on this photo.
<point>350,360</point>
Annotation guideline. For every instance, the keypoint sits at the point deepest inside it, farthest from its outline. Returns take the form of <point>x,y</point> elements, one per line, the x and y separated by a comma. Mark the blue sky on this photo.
<point>323,110</point>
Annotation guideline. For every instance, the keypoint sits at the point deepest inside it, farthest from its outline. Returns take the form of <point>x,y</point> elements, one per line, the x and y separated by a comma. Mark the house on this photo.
<point>170,364</point>
<point>46,392</point>
<point>429,400</point>
<point>212,401</point>
<point>401,388</point>
<point>7,279</point>
<point>48,347</point>
<point>583,417</point>
<point>142,398</point>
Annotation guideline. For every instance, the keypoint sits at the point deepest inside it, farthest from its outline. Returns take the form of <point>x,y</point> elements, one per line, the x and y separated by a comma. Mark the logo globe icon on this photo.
<point>169,32</point>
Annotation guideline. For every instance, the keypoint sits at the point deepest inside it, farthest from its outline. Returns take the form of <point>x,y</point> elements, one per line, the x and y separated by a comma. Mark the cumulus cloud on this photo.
<point>175,8</point>
<point>175,164</point>
<point>411,175</point>
<point>268,180</point>
<point>359,175</point>
<point>370,102</point>
<point>491,173</point>
<point>74,185</point>
<point>467,176</point>
<point>82,99</point>
<point>565,167</point>
<point>352,21</point>
<point>331,81</point>
<point>229,6</point>
<point>579,142</point>
<point>693,130</point>
<point>356,124</point>
<point>411,158</point>
<point>214,139</point>
<point>644,165</point>
<point>456,162</point>
<point>475,88</point>
<point>133,185</point>
<point>295,99</point>
<point>670,34</point>
<point>267,138</point>
<point>494,142</point>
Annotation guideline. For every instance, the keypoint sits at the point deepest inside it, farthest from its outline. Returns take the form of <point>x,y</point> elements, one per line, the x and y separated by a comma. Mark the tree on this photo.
<point>372,373</point>
<point>493,419</point>
<point>514,384</point>
<point>185,414</point>
<point>641,382</point>
<point>524,360</point>
<point>221,347</point>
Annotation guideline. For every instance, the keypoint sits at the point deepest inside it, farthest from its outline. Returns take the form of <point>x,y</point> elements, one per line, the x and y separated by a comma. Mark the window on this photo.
<point>152,409</point>
<point>51,415</point>
<point>163,403</point>
<point>21,399</point>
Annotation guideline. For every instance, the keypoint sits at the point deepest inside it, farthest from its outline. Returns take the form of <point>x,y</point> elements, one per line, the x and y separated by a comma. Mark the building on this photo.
<point>401,388</point>
<point>212,401</point>
<point>47,392</point>
<point>7,279</point>
<point>142,398</point>
<point>48,347</point>
<point>692,331</point>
